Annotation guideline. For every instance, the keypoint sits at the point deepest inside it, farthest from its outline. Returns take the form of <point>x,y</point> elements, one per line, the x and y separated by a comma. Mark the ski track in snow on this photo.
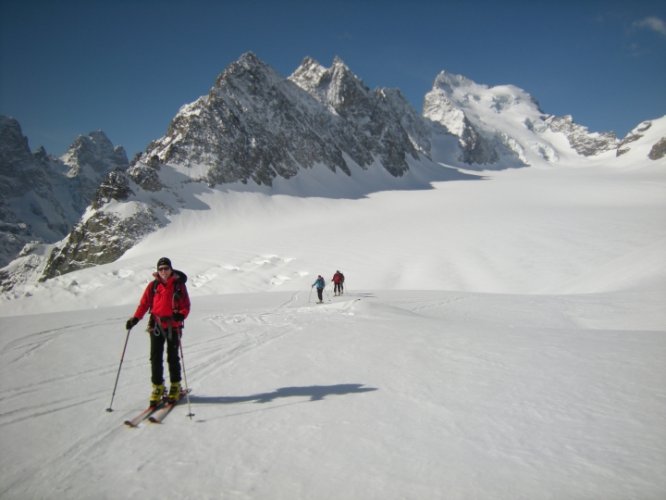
<point>235,337</point>
<point>480,409</point>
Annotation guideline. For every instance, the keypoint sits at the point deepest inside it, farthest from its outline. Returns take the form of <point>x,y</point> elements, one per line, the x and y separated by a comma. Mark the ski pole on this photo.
<point>310,296</point>
<point>122,357</point>
<point>187,390</point>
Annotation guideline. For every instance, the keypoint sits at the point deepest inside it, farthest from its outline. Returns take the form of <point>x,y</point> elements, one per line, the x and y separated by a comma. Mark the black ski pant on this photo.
<point>158,337</point>
<point>320,294</point>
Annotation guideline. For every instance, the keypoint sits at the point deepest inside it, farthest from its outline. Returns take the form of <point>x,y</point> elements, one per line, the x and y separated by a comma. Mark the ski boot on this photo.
<point>174,392</point>
<point>157,394</point>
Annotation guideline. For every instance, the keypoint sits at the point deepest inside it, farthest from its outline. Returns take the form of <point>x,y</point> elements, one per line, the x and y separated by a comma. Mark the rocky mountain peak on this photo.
<point>450,82</point>
<point>14,146</point>
<point>43,196</point>
<point>255,125</point>
<point>346,90</point>
<point>96,152</point>
<point>248,69</point>
<point>337,86</point>
<point>249,60</point>
<point>309,76</point>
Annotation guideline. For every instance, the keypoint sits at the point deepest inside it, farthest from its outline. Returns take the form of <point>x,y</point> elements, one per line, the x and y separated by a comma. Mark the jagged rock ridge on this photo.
<point>42,197</point>
<point>256,125</point>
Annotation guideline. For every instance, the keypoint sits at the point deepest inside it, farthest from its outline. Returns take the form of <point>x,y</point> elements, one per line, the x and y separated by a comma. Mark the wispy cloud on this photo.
<point>652,23</point>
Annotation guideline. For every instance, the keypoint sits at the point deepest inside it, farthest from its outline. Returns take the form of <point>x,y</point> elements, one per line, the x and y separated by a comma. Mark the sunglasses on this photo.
<point>163,268</point>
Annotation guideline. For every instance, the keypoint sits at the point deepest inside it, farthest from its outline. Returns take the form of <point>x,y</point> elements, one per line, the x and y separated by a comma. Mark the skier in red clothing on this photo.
<point>338,280</point>
<point>169,304</point>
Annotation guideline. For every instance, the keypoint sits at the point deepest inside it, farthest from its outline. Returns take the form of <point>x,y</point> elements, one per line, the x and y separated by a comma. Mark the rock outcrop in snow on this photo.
<point>646,134</point>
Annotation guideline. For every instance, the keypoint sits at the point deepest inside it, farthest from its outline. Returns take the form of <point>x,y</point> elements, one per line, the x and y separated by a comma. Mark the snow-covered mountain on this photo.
<point>255,125</point>
<point>42,197</point>
<point>503,126</point>
<point>257,130</point>
<point>252,127</point>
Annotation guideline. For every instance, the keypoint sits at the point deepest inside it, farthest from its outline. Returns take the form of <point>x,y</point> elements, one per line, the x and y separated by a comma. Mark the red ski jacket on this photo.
<point>164,299</point>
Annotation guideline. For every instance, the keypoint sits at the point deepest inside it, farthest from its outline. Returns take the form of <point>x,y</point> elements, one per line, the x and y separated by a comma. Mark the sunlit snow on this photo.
<point>501,336</point>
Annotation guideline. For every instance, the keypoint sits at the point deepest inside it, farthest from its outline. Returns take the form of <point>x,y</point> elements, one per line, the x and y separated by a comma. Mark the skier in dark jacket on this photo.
<point>169,304</point>
<point>320,284</point>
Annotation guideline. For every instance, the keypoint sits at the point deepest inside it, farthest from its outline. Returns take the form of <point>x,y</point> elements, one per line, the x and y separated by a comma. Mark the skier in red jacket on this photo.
<point>169,304</point>
<point>338,280</point>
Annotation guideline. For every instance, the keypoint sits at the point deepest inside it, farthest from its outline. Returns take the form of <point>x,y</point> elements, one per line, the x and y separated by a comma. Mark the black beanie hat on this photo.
<point>164,261</point>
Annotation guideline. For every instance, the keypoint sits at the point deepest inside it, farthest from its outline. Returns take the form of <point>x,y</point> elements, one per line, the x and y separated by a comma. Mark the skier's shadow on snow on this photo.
<point>314,392</point>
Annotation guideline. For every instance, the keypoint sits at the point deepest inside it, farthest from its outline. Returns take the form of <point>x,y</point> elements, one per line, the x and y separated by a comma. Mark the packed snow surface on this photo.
<point>498,338</point>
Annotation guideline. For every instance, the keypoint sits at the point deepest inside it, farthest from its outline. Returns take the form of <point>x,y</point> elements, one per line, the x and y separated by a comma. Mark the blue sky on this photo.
<point>126,67</point>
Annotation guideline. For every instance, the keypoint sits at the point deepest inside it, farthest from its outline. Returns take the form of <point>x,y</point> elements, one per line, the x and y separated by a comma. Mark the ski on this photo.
<point>156,417</point>
<point>134,422</point>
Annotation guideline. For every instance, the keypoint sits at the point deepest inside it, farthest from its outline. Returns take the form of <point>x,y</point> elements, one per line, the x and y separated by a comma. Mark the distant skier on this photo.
<point>169,304</point>
<point>338,280</point>
<point>320,284</point>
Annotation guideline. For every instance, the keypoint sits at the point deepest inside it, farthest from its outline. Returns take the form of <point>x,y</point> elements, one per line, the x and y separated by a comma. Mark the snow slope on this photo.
<point>499,338</point>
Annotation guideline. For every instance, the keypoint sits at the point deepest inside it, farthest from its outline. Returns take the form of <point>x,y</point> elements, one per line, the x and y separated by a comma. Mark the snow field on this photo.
<point>371,395</point>
<point>500,338</point>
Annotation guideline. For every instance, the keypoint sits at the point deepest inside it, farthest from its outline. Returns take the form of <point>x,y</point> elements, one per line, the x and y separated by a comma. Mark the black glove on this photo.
<point>178,317</point>
<point>131,322</point>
